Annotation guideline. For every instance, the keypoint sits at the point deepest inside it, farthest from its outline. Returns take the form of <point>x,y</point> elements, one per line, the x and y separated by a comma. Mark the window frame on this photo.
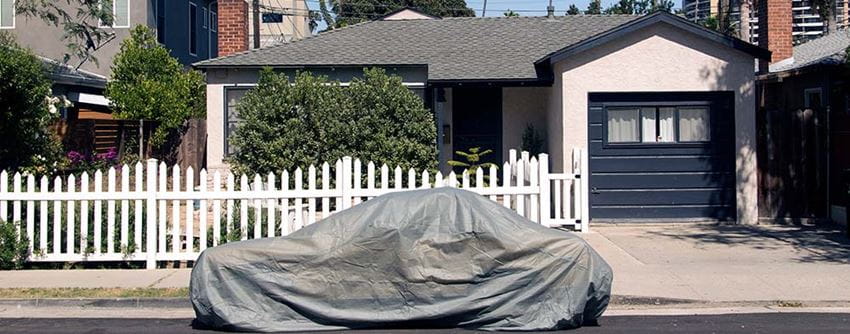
<point>213,18</point>
<point>193,29</point>
<point>226,114</point>
<point>14,16</point>
<point>807,102</point>
<point>205,17</point>
<point>114,14</point>
<point>638,105</point>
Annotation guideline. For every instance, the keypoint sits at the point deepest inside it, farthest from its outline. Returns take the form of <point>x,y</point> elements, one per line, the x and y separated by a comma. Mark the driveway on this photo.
<point>722,263</point>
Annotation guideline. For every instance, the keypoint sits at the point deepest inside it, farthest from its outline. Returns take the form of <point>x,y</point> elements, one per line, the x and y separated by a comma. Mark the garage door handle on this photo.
<point>594,190</point>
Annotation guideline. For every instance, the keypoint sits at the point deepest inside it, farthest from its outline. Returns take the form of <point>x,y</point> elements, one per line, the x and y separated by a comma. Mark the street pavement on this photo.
<point>734,323</point>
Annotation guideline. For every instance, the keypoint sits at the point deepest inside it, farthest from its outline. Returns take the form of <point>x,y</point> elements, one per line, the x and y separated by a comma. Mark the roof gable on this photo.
<point>646,21</point>
<point>407,13</point>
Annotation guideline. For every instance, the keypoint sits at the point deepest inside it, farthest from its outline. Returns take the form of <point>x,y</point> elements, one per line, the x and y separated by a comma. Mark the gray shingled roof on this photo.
<point>826,50</point>
<point>453,48</point>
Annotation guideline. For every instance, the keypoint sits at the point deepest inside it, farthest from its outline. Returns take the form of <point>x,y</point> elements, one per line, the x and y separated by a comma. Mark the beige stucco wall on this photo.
<point>407,15</point>
<point>295,25</point>
<point>660,58</point>
<point>522,106</point>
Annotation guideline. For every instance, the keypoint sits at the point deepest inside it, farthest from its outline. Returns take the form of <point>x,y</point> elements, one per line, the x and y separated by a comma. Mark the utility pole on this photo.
<point>256,21</point>
<point>484,11</point>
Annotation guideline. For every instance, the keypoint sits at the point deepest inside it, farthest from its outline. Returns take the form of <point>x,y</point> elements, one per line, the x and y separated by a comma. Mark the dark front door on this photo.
<point>477,121</point>
<point>656,156</point>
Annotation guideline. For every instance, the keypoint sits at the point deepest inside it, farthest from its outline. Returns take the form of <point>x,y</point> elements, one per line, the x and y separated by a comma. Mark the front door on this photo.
<point>477,122</point>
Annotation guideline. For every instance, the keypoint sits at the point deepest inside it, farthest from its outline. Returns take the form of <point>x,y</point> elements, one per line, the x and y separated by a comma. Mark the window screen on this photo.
<point>7,13</point>
<point>122,14</point>
<point>232,97</point>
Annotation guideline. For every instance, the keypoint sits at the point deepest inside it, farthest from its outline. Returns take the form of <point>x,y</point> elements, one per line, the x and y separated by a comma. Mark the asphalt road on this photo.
<point>734,323</point>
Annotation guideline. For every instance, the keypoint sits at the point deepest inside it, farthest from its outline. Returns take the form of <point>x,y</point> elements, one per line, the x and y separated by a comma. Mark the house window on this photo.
<point>160,21</point>
<point>193,29</point>
<point>812,98</point>
<point>213,19</point>
<point>206,17</point>
<point>272,18</point>
<point>232,97</point>
<point>120,13</point>
<point>7,14</point>
<point>665,124</point>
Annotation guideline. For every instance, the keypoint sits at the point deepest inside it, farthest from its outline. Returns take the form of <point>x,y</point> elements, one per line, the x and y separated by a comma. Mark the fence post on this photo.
<point>585,192</point>
<point>345,184</point>
<point>545,192</point>
<point>150,206</point>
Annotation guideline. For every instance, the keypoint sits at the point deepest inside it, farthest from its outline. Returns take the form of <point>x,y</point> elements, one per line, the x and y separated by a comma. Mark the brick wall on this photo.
<point>775,20</point>
<point>232,26</point>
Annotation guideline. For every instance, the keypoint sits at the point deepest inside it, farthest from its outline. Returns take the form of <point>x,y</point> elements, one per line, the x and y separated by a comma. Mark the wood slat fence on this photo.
<point>149,212</point>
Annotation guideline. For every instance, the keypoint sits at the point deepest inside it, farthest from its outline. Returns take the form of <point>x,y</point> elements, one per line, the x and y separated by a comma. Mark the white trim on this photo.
<point>14,17</point>
<point>87,98</point>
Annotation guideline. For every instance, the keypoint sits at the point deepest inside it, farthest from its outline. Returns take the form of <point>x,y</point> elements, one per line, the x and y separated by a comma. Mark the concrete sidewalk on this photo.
<point>718,263</point>
<point>707,263</point>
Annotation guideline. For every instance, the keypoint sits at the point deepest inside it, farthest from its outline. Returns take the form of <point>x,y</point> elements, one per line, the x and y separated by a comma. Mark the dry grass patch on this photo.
<point>33,293</point>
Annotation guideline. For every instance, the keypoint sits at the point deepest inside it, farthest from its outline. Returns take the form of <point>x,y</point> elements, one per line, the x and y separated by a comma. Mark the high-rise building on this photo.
<point>807,23</point>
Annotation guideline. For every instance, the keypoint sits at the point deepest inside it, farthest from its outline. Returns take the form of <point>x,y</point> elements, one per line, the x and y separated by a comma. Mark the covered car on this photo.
<point>416,259</point>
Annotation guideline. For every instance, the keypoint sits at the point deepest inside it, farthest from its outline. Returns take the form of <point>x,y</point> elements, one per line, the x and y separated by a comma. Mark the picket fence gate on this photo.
<point>175,218</point>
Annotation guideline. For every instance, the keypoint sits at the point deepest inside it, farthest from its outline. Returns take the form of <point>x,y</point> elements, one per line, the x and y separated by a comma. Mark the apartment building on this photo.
<point>280,21</point>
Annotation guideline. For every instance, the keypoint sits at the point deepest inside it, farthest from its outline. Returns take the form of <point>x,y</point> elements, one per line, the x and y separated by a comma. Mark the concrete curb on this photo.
<point>99,302</point>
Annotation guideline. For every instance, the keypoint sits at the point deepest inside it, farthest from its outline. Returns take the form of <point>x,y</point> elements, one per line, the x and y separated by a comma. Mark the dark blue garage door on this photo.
<point>657,156</point>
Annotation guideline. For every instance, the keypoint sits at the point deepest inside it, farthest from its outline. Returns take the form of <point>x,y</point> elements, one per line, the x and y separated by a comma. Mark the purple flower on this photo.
<point>110,156</point>
<point>76,157</point>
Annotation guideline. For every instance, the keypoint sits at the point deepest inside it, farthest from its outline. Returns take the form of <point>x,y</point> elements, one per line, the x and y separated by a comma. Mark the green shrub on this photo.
<point>24,112</point>
<point>312,120</point>
<point>148,83</point>
<point>13,251</point>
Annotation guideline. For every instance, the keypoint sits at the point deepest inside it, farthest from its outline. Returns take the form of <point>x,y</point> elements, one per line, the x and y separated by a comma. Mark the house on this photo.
<point>804,126</point>
<point>664,107</point>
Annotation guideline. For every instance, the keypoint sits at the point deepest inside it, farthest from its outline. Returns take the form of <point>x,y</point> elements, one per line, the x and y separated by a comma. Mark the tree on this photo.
<point>25,111</point>
<point>148,84</point>
<point>355,11</point>
<point>640,7</point>
<point>825,8</point>
<point>310,119</point>
<point>594,7</point>
<point>573,10</point>
<point>510,13</point>
<point>83,33</point>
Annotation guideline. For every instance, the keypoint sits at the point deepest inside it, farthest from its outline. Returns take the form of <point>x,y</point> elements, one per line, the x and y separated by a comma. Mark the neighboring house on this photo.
<point>665,108</point>
<point>281,21</point>
<point>804,102</point>
<point>186,27</point>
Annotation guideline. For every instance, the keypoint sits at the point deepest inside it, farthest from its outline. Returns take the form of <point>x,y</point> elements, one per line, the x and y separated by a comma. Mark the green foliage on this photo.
<point>82,33</point>
<point>147,83</point>
<point>13,251</point>
<point>573,10</point>
<point>311,120</point>
<point>473,160</point>
<point>594,7</point>
<point>532,140</point>
<point>510,13</point>
<point>640,6</point>
<point>355,11</point>
<point>24,112</point>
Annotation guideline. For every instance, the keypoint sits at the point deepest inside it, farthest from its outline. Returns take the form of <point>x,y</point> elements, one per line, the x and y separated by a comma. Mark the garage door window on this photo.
<point>686,124</point>
<point>623,125</point>
<point>693,125</point>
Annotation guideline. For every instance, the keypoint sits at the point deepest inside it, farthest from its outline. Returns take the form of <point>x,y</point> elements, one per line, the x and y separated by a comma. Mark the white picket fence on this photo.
<point>145,214</point>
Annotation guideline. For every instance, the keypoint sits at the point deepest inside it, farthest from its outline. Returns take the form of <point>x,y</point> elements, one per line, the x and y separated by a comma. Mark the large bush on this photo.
<point>288,124</point>
<point>24,111</point>
<point>148,83</point>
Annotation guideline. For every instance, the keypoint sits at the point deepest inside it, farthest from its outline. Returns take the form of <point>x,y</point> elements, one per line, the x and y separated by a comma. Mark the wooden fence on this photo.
<point>151,213</point>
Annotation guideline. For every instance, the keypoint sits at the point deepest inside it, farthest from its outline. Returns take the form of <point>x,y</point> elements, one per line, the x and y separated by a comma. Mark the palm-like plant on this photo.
<point>473,160</point>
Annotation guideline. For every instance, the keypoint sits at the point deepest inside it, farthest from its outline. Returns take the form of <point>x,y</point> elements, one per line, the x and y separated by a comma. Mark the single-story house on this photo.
<point>665,108</point>
<point>804,115</point>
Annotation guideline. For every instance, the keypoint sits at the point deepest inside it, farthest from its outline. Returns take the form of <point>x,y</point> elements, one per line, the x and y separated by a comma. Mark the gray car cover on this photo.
<point>426,258</point>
